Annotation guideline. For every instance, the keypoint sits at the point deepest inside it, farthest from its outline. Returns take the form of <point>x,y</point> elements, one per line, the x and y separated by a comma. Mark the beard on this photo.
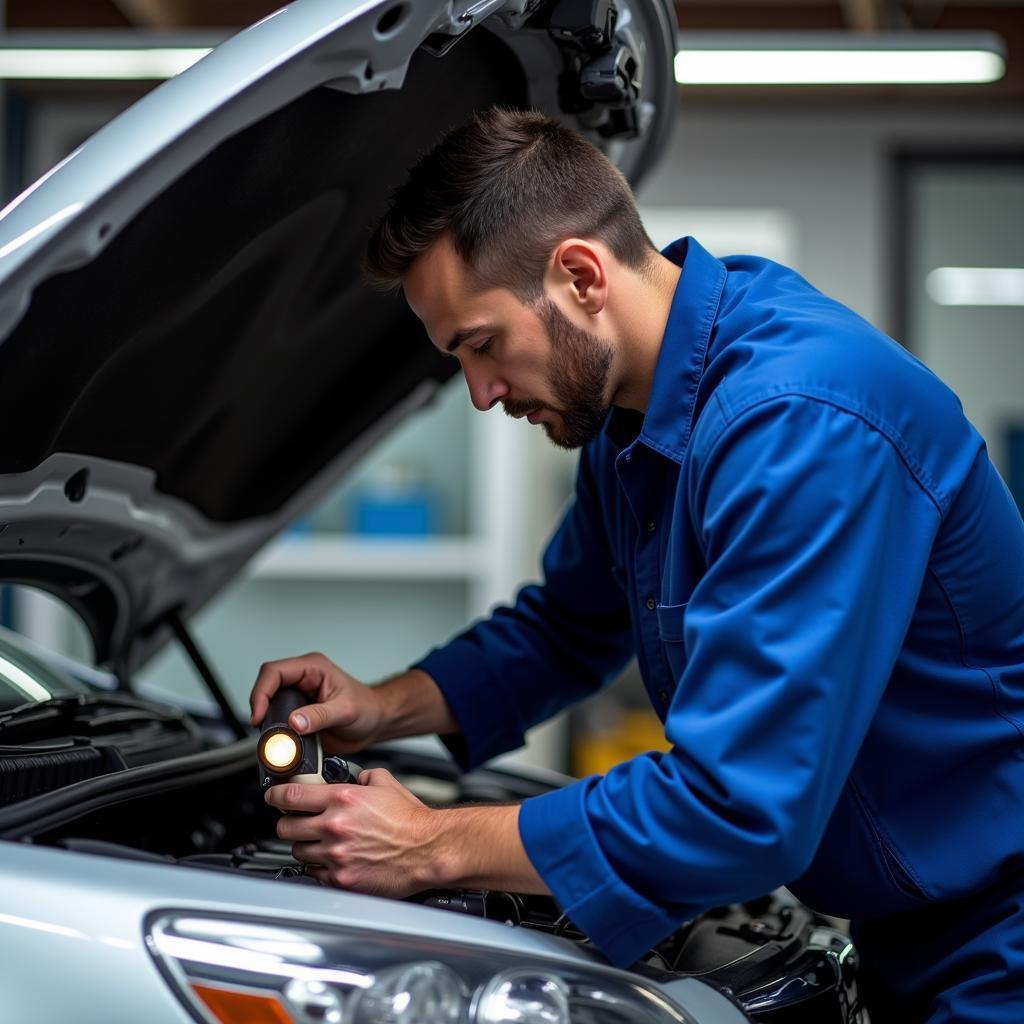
<point>579,366</point>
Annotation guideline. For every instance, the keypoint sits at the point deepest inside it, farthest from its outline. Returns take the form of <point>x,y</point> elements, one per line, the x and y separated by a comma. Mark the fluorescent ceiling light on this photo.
<point>104,64</point>
<point>976,286</point>
<point>108,56</point>
<point>839,58</point>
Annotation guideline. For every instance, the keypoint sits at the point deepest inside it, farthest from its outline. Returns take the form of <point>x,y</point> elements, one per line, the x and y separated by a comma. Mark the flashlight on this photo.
<point>285,756</point>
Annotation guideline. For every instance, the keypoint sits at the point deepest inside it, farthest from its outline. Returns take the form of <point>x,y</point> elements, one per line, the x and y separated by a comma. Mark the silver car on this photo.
<point>164,293</point>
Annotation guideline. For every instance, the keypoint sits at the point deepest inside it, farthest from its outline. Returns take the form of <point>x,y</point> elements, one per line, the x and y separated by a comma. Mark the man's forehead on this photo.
<point>438,274</point>
<point>448,298</point>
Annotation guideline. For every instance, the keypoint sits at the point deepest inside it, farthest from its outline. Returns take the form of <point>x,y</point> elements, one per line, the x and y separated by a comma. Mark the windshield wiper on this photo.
<point>84,711</point>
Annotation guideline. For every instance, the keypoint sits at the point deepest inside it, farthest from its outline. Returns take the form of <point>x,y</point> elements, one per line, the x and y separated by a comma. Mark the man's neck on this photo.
<point>643,316</point>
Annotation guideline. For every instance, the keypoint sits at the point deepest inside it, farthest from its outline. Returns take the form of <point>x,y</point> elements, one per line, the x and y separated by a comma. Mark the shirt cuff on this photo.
<point>488,726</point>
<point>561,845</point>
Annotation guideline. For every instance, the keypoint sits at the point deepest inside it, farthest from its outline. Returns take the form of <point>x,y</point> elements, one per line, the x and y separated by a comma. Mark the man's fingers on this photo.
<point>299,828</point>
<point>310,853</point>
<point>275,674</point>
<point>304,673</point>
<point>298,796</point>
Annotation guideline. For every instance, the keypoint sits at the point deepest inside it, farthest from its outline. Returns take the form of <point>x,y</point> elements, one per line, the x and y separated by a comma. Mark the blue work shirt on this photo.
<point>821,575</point>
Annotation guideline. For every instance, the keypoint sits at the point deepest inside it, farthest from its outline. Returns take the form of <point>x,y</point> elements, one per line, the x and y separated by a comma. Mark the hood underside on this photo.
<point>192,357</point>
<point>225,339</point>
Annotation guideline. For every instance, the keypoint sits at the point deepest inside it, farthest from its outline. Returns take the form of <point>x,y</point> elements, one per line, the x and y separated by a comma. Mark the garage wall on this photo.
<point>828,170</point>
<point>965,214</point>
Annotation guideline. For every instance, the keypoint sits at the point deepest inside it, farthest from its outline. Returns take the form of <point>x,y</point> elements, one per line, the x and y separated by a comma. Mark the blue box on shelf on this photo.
<point>411,516</point>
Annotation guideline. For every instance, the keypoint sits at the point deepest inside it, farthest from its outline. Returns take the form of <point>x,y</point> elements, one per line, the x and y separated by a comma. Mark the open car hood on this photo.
<point>189,358</point>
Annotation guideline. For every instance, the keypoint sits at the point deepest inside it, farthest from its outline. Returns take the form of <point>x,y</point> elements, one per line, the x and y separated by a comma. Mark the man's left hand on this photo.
<point>377,837</point>
<point>369,837</point>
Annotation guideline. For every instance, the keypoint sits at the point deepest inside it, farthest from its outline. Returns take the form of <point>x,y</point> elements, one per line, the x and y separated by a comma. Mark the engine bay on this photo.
<point>205,811</point>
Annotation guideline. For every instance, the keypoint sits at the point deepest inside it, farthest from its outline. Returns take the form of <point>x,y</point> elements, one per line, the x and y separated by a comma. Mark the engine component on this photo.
<point>337,769</point>
<point>604,71</point>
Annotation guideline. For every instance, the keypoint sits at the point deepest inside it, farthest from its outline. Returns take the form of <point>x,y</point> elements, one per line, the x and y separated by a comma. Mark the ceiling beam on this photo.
<point>156,13</point>
<point>195,13</point>
<point>862,15</point>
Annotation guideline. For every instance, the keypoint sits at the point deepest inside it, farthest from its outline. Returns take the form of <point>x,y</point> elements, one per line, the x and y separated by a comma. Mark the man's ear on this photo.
<point>581,269</point>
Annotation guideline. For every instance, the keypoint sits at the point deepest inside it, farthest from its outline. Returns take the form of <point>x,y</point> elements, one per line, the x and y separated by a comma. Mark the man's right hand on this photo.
<point>347,714</point>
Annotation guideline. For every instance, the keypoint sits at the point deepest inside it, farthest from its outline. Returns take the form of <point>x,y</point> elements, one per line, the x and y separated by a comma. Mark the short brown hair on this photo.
<point>507,186</point>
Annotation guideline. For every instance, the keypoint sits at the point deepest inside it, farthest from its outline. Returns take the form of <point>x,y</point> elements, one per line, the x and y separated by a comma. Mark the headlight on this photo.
<point>410,993</point>
<point>538,997</point>
<point>251,972</point>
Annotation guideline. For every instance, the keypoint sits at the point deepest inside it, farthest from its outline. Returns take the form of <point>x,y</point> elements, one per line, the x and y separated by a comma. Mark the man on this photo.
<point>788,521</point>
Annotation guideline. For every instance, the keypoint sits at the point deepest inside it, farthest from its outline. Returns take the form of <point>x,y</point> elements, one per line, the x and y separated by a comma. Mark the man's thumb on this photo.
<point>311,718</point>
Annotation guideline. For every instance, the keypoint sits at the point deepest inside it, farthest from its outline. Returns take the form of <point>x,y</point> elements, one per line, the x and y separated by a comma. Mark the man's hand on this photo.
<point>379,838</point>
<point>368,837</point>
<point>347,713</point>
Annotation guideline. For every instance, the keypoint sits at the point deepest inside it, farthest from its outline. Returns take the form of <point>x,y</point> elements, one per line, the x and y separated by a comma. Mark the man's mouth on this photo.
<point>517,410</point>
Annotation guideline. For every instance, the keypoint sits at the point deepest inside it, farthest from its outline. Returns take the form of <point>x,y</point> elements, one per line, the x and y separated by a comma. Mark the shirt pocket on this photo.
<point>671,619</point>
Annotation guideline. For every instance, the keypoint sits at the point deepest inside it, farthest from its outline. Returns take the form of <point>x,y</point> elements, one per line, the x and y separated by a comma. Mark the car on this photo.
<point>164,292</point>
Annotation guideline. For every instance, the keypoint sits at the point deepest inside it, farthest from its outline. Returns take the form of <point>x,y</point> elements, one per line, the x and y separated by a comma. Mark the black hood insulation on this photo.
<point>225,338</point>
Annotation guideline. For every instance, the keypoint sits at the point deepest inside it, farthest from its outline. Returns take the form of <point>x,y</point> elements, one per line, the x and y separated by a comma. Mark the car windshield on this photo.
<point>24,679</point>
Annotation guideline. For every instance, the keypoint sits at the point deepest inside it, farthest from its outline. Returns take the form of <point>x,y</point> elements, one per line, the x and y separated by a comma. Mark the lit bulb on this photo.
<point>280,750</point>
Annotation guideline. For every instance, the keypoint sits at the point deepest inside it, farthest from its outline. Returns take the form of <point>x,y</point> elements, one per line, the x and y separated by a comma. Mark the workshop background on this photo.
<point>873,192</point>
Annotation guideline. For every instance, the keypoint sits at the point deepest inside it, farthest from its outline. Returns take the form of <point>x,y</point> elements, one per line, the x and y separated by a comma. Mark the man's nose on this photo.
<point>485,388</point>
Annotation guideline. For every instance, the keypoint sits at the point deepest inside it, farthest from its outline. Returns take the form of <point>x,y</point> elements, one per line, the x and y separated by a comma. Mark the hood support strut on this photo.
<point>206,673</point>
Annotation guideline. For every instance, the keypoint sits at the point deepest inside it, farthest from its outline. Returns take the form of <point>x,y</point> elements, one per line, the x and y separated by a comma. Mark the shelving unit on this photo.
<point>350,557</point>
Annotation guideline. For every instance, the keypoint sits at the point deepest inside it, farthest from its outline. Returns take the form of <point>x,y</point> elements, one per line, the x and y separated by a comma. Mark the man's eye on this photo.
<point>484,347</point>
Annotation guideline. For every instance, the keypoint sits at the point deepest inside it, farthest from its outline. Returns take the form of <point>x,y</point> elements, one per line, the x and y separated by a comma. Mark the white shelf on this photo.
<point>371,558</point>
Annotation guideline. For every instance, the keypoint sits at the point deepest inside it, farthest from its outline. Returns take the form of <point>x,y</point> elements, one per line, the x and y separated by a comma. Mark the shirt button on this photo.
<point>650,604</point>
<point>651,527</point>
<point>663,696</point>
<point>628,456</point>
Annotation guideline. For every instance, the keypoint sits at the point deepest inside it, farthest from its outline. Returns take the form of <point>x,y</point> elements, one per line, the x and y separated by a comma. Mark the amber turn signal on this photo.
<point>232,1007</point>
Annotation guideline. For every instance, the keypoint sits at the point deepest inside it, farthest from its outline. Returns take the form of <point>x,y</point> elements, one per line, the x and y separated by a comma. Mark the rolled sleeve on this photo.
<point>556,834</point>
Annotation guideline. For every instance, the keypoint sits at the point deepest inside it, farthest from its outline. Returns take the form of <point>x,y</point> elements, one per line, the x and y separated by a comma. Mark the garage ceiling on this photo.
<point>1006,17</point>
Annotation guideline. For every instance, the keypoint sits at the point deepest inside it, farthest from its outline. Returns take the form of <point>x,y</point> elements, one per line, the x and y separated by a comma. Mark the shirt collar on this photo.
<point>666,425</point>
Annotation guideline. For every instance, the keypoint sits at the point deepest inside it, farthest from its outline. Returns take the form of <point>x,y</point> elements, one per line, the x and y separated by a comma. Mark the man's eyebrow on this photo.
<point>464,335</point>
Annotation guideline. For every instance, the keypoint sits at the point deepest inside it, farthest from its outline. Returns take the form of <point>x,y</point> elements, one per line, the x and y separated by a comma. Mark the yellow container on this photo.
<point>635,732</point>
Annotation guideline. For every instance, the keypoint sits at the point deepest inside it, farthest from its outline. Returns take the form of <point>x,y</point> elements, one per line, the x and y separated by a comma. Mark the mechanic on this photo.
<point>789,522</point>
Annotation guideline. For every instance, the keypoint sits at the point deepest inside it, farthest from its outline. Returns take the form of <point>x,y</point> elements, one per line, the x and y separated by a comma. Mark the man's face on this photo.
<point>533,360</point>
